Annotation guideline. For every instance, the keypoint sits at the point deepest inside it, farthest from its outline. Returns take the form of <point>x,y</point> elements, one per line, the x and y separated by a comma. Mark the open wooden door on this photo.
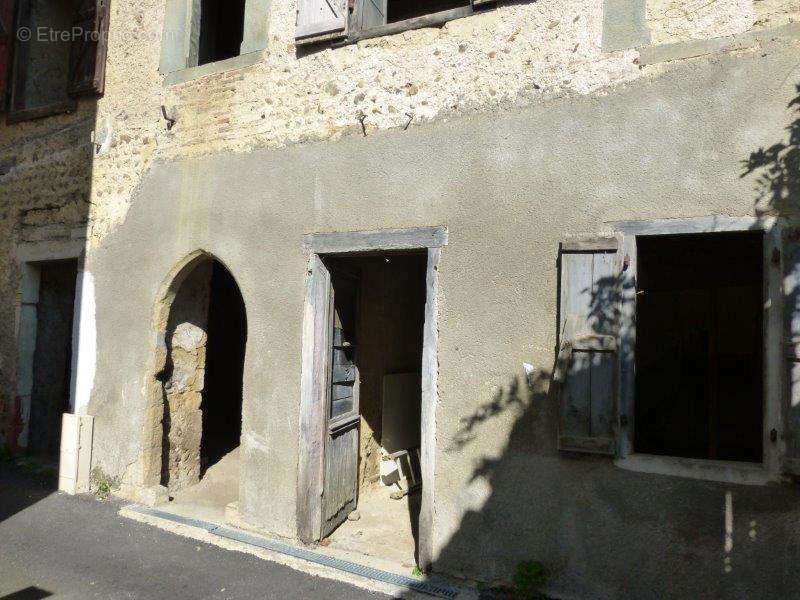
<point>340,487</point>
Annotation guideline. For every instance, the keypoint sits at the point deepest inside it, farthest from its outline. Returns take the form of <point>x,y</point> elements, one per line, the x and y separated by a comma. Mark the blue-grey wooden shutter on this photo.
<point>791,295</point>
<point>373,13</point>
<point>587,363</point>
<point>321,20</point>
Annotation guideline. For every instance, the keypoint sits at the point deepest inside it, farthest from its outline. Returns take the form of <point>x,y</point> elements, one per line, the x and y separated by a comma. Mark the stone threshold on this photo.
<point>294,556</point>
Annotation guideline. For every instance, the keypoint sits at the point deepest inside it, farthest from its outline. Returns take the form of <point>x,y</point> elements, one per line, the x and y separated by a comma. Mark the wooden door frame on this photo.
<point>315,367</point>
<point>769,469</point>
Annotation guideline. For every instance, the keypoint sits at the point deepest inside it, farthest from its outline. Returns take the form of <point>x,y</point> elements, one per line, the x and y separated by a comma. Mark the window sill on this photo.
<point>723,471</point>
<point>40,112</point>
<point>433,20</point>
<point>229,64</point>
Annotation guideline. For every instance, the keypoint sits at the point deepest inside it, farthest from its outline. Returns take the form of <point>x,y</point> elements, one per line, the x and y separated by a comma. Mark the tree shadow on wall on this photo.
<point>598,530</point>
<point>513,515</point>
<point>777,187</point>
<point>778,168</point>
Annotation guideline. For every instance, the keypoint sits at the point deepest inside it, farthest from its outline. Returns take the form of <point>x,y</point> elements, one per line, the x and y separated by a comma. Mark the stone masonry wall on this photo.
<point>516,54</point>
<point>187,338</point>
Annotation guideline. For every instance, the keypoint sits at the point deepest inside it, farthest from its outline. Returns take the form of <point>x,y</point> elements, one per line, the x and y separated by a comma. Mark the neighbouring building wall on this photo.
<point>52,358</point>
<point>45,194</point>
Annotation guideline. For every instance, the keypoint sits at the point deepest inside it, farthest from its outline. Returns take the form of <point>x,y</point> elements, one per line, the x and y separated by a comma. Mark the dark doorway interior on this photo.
<point>699,339</point>
<point>389,321</point>
<point>221,30</point>
<point>222,394</point>
<point>400,10</point>
<point>53,357</point>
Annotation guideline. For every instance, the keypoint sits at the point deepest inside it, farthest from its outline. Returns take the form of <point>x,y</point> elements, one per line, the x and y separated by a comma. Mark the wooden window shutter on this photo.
<point>586,367</point>
<point>6,44</point>
<point>373,13</point>
<point>319,20</point>
<point>87,59</point>
<point>791,295</point>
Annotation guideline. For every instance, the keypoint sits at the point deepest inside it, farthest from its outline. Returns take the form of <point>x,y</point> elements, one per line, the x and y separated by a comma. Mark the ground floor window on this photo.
<point>699,340</point>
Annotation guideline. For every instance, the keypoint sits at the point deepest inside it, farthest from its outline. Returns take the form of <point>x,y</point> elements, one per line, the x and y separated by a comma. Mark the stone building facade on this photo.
<point>496,144</point>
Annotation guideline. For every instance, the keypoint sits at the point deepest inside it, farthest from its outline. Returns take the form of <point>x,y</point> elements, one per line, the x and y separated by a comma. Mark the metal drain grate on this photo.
<point>341,565</point>
<point>425,587</point>
<point>210,527</point>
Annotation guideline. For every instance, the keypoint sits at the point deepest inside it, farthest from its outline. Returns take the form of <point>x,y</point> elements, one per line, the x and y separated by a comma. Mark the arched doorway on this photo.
<point>204,335</point>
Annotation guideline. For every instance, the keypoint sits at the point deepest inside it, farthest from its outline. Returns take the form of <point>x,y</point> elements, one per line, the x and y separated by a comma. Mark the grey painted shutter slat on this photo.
<point>373,13</point>
<point>588,315</point>
<point>320,19</point>
<point>575,396</point>
<point>601,422</point>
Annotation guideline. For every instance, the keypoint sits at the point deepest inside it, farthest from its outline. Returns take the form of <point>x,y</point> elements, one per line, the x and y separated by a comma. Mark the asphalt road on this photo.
<point>57,546</point>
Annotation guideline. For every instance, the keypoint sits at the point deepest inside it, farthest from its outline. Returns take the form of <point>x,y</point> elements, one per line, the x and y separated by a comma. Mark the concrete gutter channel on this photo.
<point>396,582</point>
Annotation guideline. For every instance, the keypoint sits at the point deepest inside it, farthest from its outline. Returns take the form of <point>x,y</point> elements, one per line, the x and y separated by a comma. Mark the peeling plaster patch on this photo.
<point>675,20</point>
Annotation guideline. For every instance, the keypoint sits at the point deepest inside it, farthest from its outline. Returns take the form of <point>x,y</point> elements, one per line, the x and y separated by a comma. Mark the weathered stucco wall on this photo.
<point>519,54</point>
<point>523,131</point>
<point>509,186</point>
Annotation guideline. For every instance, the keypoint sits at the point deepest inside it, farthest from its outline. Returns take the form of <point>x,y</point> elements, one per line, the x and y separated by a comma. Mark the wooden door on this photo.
<point>340,491</point>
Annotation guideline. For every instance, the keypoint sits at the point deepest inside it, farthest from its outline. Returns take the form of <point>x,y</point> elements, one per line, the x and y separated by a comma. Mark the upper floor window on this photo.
<point>201,37</point>
<point>220,30</point>
<point>320,20</point>
<point>59,51</point>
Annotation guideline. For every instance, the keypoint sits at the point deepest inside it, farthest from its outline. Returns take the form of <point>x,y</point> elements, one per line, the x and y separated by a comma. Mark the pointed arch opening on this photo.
<point>196,385</point>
